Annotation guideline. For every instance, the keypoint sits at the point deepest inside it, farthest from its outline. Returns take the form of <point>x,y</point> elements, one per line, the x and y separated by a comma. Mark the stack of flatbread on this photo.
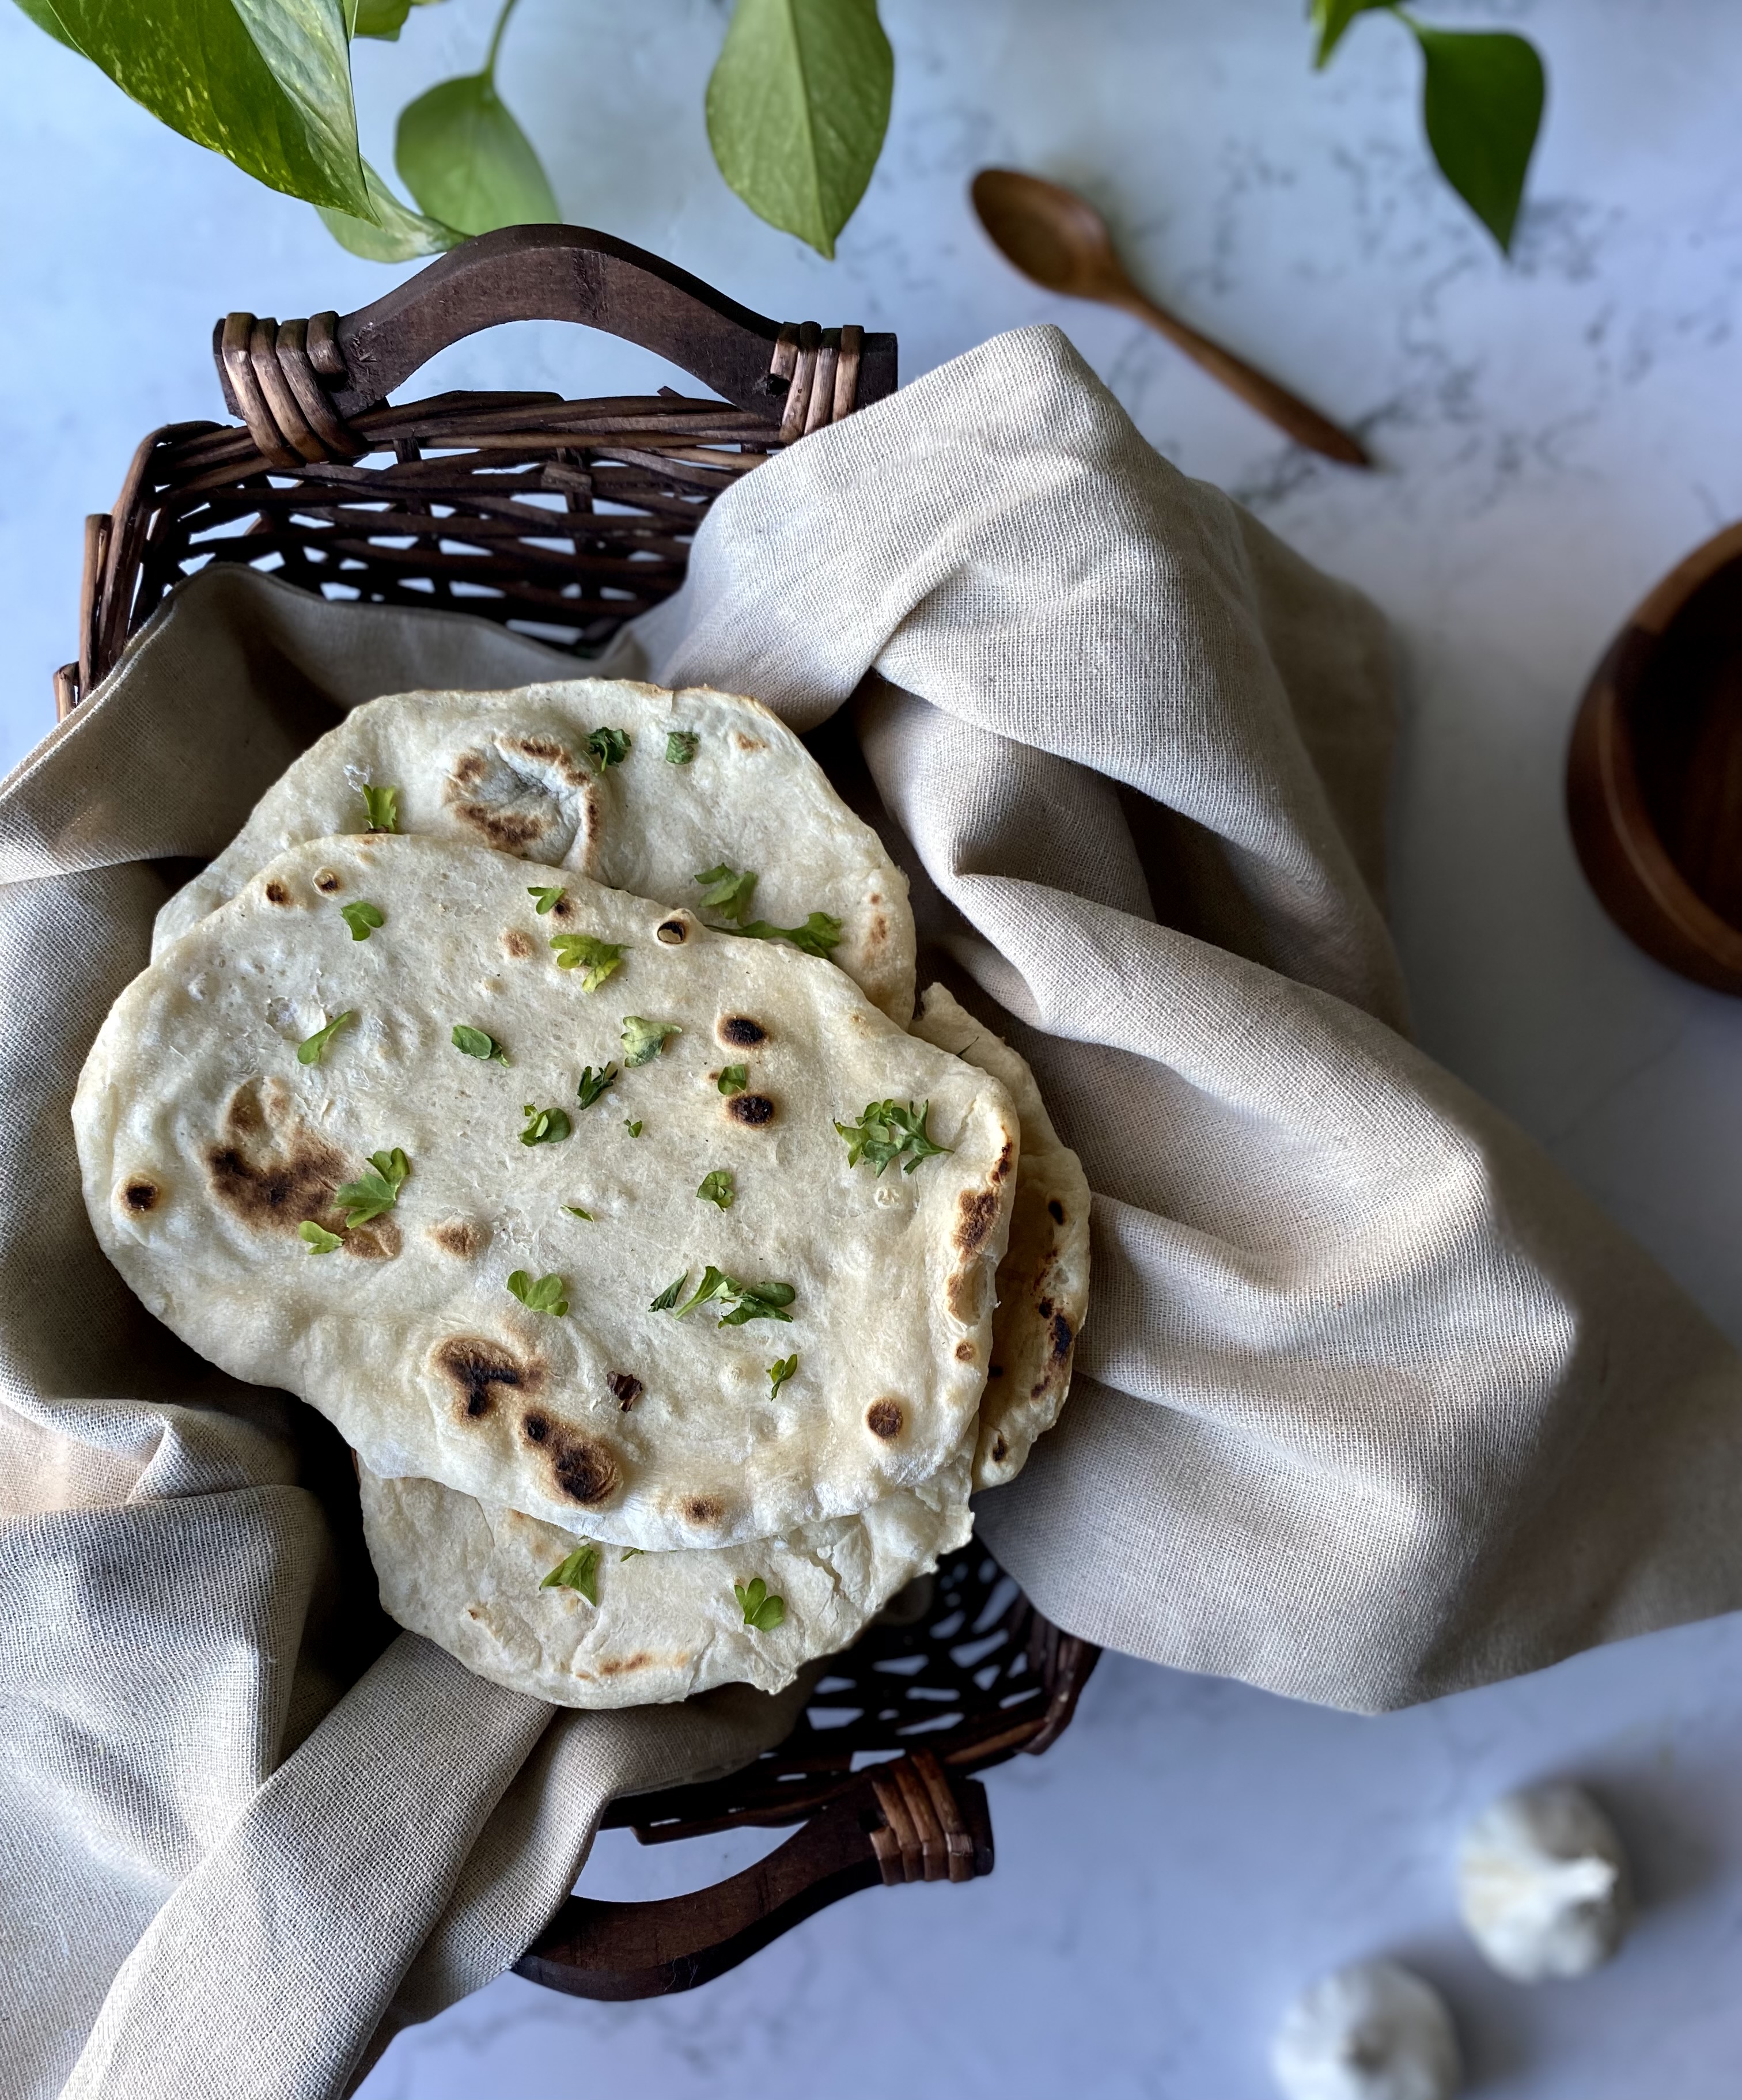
<point>533,1087</point>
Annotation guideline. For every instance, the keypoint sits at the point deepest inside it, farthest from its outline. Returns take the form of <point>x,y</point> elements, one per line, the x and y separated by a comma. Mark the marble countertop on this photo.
<point>1552,434</point>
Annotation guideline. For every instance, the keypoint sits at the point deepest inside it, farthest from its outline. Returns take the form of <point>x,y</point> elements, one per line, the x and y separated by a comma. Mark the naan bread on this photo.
<point>205,1143</point>
<point>1044,1279</point>
<point>466,1574</point>
<point>513,771</point>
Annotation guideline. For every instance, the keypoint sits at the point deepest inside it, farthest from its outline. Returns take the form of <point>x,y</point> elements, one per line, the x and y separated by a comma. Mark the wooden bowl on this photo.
<point>1653,772</point>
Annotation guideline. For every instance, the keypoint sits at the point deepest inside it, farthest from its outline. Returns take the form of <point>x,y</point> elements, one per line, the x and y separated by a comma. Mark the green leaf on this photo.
<point>544,1295</point>
<point>780,1370</point>
<point>634,1129</point>
<point>886,1131</point>
<point>266,83</point>
<point>579,1571</point>
<point>643,1040</point>
<point>317,1238</point>
<point>668,1297</point>
<point>395,234</point>
<point>468,163</point>
<point>473,1042</point>
<point>574,1211</point>
<point>629,1553</point>
<point>761,1611</point>
<point>592,1084</point>
<point>1331,18</point>
<point>733,1079</point>
<point>608,747</point>
<point>44,16</point>
<point>313,1047</point>
<point>362,918</point>
<point>797,107</point>
<point>1482,97</point>
<point>713,1281</point>
<point>716,1187</point>
<point>680,747</point>
<point>382,807</point>
<point>544,1126</point>
<point>545,899</point>
<point>758,1301</point>
<point>384,19</point>
<point>817,936</point>
<point>728,890</point>
<point>580,951</point>
<point>375,1191</point>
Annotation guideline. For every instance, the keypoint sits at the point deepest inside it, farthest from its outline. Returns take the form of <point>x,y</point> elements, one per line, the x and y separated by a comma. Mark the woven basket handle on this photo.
<point>295,383</point>
<point>908,1821</point>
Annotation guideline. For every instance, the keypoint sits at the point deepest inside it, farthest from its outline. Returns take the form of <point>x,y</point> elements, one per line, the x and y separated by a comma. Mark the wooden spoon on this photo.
<point>1059,239</point>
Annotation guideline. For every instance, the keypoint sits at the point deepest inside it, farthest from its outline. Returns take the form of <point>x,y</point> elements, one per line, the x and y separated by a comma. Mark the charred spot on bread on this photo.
<point>884,1419</point>
<point>672,932</point>
<point>740,1032</point>
<point>977,1213</point>
<point>703,1510</point>
<point>753,1110</point>
<point>1000,1449</point>
<point>518,943</point>
<point>624,1388</point>
<point>1056,1212</point>
<point>276,893</point>
<point>327,881</point>
<point>458,1237</point>
<point>583,1469</point>
<point>139,1192</point>
<point>965,1352</point>
<point>478,1370</point>
<point>377,1241</point>
<point>271,1187</point>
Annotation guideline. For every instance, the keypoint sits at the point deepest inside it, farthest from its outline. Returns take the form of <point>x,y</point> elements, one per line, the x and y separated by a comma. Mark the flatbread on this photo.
<point>467,1575</point>
<point>204,1144</point>
<point>1044,1279</point>
<point>513,771</point>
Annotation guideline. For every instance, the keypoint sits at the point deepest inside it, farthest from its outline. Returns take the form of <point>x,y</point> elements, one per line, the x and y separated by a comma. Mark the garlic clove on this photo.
<point>1371,2031</point>
<point>1542,1883</point>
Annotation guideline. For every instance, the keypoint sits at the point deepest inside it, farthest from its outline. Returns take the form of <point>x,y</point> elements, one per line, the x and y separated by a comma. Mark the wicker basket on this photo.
<point>564,519</point>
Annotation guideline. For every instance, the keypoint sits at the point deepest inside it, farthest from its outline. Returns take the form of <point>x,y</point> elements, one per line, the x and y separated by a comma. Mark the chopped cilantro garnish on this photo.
<point>317,1238</point>
<point>680,746</point>
<point>779,1371</point>
<point>581,951</point>
<point>761,1612</point>
<point>643,1040</point>
<point>382,805</point>
<point>545,899</point>
<point>311,1051</point>
<point>376,1191</point>
<point>544,1126</point>
<point>749,1301</point>
<point>544,1294</point>
<point>363,918</point>
<point>579,1571</point>
<point>475,1043</point>
<point>716,1187</point>
<point>629,1552</point>
<point>668,1297</point>
<point>593,1083</point>
<point>574,1211</point>
<point>634,1129</point>
<point>728,890</point>
<point>609,747</point>
<point>733,1079</point>
<point>886,1131</point>
<point>817,936</point>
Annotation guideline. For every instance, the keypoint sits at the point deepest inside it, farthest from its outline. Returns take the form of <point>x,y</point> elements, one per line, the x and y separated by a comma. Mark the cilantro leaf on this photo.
<point>577,951</point>
<point>317,1238</point>
<point>545,900</point>
<point>579,1571</point>
<point>668,1297</point>
<point>629,1553</point>
<point>382,805</point>
<point>544,1126</point>
<point>779,1371</point>
<point>716,1187</point>
<point>733,1079</point>
<point>592,1084</point>
<point>376,1191</point>
<point>634,1129</point>
<point>712,1280</point>
<point>817,936</point>
<point>749,1301</point>
<point>574,1211</point>
<point>761,1612</point>
<point>680,747</point>
<point>609,747</point>
<point>544,1294</point>
<point>727,889</point>
<point>475,1043</point>
<point>311,1051</point>
<point>362,918</point>
<point>643,1040</point>
<point>886,1131</point>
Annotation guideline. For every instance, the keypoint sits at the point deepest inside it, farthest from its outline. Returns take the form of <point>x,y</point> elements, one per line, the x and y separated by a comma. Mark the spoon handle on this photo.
<point>1290,414</point>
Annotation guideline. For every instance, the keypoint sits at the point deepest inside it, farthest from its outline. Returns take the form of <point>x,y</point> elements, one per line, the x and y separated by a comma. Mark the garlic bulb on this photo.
<point>1372,2031</point>
<point>1542,1883</point>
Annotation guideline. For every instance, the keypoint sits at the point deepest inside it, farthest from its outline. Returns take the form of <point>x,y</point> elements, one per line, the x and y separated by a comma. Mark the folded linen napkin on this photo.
<point>1371,1404</point>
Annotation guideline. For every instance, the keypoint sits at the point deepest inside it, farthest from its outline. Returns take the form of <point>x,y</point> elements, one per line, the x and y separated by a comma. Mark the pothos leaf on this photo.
<point>467,162</point>
<point>1482,97</point>
<point>396,235</point>
<point>1331,18</point>
<point>44,16</point>
<point>266,83</point>
<point>797,107</point>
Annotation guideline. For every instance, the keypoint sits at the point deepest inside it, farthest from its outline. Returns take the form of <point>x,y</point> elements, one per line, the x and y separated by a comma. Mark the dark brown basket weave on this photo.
<point>564,519</point>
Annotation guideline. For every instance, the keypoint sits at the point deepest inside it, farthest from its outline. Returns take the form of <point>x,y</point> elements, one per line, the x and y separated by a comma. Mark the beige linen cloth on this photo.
<point>1370,1403</point>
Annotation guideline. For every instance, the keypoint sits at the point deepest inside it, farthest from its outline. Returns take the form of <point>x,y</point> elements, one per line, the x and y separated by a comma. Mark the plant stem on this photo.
<point>495,40</point>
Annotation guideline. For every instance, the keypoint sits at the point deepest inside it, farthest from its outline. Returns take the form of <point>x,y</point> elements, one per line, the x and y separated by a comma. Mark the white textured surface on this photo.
<point>1554,436</point>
